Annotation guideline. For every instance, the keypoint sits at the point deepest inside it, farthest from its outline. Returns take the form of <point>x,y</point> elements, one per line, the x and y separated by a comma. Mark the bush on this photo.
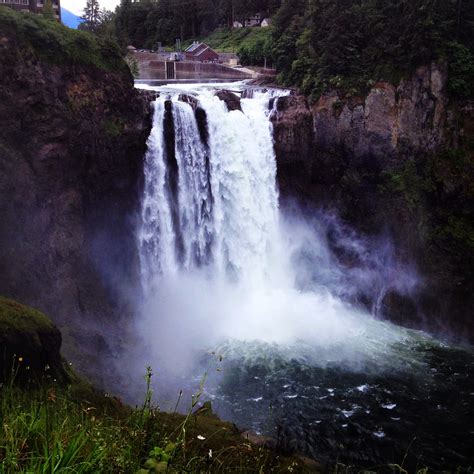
<point>57,44</point>
<point>461,70</point>
<point>256,48</point>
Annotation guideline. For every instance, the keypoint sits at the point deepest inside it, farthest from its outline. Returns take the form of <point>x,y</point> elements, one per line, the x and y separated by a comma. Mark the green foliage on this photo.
<point>48,10</point>
<point>349,45</point>
<point>253,45</point>
<point>443,188</point>
<point>256,48</point>
<point>30,346</point>
<point>78,429</point>
<point>228,40</point>
<point>55,43</point>
<point>144,24</point>
<point>91,15</point>
<point>410,182</point>
<point>132,63</point>
<point>461,70</point>
<point>112,128</point>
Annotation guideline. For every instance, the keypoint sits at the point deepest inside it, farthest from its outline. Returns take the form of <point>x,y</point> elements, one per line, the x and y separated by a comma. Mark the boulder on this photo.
<point>232,100</point>
<point>30,345</point>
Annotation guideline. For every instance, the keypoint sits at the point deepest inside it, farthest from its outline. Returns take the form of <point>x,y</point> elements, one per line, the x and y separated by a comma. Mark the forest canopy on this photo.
<point>349,44</point>
<point>147,23</point>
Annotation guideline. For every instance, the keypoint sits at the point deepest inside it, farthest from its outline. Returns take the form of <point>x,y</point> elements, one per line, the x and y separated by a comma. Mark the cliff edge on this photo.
<point>73,134</point>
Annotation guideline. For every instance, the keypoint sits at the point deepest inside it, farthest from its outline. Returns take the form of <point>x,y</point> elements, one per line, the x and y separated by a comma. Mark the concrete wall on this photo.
<point>190,70</point>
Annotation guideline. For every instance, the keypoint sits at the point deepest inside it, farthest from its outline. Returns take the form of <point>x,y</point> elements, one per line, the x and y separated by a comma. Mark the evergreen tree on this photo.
<point>91,16</point>
<point>48,10</point>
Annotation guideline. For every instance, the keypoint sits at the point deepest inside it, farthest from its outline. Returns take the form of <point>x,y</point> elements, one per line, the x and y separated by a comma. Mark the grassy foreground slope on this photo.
<point>52,424</point>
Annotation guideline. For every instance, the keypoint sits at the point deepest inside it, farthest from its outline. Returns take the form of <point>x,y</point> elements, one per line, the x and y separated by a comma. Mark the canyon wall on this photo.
<point>396,161</point>
<point>72,141</point>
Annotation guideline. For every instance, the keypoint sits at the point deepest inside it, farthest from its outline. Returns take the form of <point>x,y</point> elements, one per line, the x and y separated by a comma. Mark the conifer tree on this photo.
<point>91,15</point>
<point>48,10</point>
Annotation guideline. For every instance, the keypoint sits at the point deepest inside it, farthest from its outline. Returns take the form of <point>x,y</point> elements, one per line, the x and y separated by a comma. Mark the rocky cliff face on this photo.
<point>389,123</point>
<point>379,162</point>
<point>72,141</point>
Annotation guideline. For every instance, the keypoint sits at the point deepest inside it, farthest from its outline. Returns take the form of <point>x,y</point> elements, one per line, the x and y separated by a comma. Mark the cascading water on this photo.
<point>211,214</point>
<point>222,212</point>
<point>223,269</point>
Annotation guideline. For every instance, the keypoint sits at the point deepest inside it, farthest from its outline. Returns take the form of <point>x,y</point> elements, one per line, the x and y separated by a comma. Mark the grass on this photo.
<point>227,40</point>
<point>77,429</point>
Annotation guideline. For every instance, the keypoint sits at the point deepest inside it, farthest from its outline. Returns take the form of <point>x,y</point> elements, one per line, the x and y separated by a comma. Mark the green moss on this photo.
<point>112,128</point>
<point>18,317</point>
<point>57,44</point>
<point>30,346</point>
<point>439,191</point>
<point>338,106</point>
<point>405,182</point>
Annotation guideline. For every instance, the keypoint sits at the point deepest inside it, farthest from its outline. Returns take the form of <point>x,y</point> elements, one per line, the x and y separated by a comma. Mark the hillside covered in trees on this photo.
<point>314,45</point>
<point>351,44</point>
<point>146,23</point>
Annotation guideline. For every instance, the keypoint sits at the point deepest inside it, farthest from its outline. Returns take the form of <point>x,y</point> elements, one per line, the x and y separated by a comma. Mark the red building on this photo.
<point>35,6</point>
<point>201,52</point>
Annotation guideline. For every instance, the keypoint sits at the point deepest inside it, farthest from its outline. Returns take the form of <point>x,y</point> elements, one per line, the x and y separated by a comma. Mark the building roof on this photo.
<point>197,49</point>
<point>204,50</point>
<point>193,46</point>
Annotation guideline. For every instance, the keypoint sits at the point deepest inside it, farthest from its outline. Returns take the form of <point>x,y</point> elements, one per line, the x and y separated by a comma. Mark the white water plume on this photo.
<point>220,261</point>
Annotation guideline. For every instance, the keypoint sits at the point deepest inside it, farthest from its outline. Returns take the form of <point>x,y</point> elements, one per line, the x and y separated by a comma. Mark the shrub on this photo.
<point>57,44</point>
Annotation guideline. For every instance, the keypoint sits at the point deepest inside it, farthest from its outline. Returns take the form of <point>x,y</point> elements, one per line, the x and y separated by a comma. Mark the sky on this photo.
<point>77,6</point>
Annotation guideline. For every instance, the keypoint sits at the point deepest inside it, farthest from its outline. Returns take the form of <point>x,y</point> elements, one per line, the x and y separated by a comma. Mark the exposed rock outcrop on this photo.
<point>390,121</point>
<point>72,141</point>
<point>232,100</point>
<point>375,161</point>
<point>30,345</point>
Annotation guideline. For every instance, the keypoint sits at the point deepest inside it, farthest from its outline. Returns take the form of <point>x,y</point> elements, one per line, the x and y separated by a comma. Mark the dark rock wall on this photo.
<point>339,154</point>
<point>72,141</point>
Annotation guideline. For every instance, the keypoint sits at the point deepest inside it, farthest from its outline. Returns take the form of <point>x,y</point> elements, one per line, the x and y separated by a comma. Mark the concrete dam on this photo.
<point>154,68</point>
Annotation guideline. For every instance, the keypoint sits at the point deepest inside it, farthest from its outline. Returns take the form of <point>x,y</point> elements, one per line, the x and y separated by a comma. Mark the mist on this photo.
<point>227,269</point>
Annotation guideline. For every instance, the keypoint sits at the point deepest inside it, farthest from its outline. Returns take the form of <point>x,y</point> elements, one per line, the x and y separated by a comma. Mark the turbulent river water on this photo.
<point>251,293</point>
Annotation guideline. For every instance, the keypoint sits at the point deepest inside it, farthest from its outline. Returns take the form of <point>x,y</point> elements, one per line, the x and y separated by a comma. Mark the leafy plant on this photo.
<point>57,44</point>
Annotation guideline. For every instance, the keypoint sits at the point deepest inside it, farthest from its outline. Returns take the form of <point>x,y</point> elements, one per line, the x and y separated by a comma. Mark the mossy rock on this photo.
<point>30,345</point>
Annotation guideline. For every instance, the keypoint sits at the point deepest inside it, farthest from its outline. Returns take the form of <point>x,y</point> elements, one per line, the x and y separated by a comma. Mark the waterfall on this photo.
<point>210,199</point>
<point>219,258</point>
